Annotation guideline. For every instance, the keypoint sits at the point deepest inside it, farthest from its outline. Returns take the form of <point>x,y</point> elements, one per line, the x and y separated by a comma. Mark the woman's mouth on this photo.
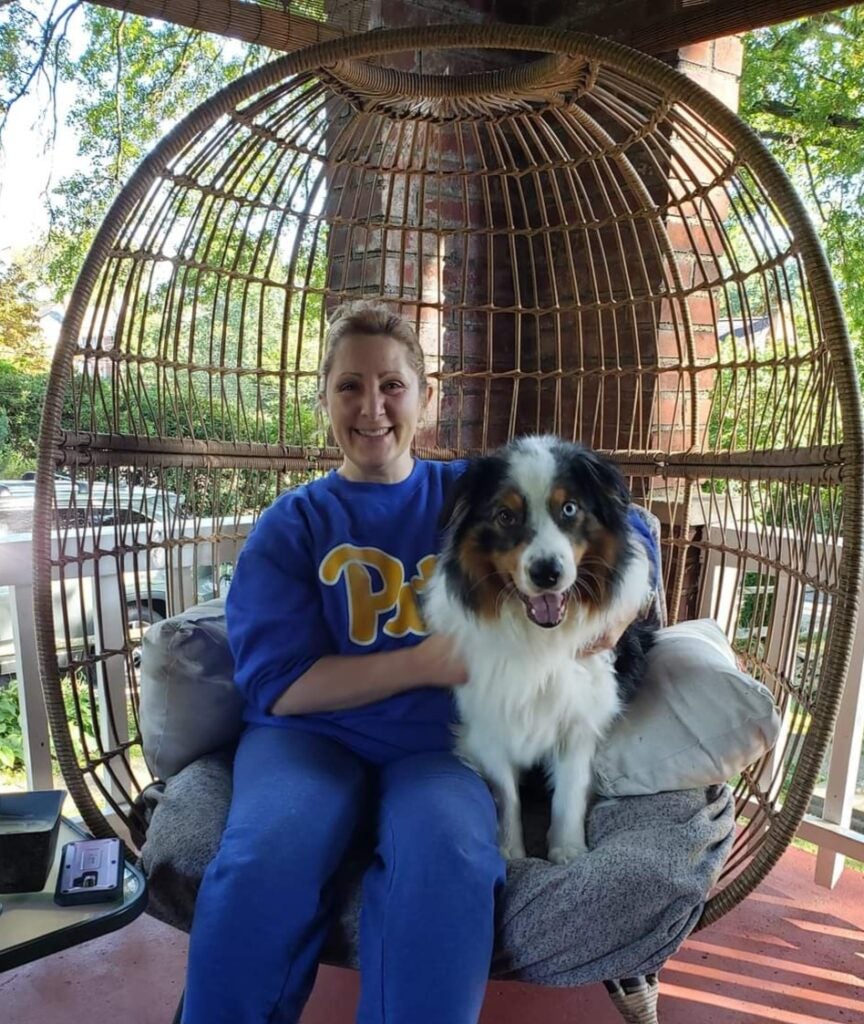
<point>378,432</point>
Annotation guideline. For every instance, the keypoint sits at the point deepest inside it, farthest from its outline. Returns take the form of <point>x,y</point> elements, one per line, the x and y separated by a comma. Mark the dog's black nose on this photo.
<point>545,572</point>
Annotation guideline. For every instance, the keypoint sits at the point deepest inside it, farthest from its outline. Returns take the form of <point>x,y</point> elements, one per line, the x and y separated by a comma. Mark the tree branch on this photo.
<point>814,192</point>
<point>804,29</point>
<point>51,27</point>
<point>118,107</point>
<point>788,139</point>
<point>789,112</point>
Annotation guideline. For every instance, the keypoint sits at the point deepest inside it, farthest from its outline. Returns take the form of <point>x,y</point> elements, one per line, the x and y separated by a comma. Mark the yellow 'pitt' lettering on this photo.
<point>407,618</point>
<point>365,604</point>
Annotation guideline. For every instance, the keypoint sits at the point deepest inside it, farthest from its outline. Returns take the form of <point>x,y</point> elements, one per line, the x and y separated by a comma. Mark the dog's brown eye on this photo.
<point>505,517</point>
<point>569,510</point>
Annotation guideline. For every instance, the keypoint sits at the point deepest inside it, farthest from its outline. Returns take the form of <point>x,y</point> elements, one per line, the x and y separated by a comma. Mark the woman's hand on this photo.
<point>605,642</point>
<point>439,663</point>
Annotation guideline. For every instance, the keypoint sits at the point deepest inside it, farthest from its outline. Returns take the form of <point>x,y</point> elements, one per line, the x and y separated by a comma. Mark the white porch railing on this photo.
<point>721,599</point>
<point>831,832</point>
<point>17,626</point>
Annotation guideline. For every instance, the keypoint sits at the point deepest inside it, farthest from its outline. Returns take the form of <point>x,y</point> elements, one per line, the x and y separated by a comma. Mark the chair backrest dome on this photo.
<point>589,244</point>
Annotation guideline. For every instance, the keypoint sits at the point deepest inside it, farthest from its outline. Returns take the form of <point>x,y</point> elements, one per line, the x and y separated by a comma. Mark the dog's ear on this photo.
<point>609,478</point>
<point>606,481</point>
<point>457,500</point>
<point>469,491</point>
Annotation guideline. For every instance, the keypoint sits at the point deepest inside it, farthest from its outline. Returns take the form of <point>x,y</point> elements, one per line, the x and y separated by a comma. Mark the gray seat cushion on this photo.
<point>619,911</point>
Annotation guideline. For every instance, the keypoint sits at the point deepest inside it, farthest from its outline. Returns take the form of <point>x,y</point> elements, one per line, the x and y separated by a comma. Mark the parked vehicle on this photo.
<point>100,505</point>
<point>80,504</point>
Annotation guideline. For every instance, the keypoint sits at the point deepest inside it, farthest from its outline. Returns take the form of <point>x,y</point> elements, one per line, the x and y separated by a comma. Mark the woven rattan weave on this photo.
<point>589,244</point>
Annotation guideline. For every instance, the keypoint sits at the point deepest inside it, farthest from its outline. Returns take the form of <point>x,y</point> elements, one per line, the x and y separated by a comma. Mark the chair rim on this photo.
<point>556,45</point>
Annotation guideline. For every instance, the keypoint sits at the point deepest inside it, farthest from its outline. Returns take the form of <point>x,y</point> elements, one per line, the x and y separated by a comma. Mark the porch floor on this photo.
<point>792,953</point>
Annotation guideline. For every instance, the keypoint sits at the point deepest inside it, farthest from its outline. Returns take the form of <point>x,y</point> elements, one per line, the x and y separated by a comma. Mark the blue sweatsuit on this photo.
<point>333,568</point>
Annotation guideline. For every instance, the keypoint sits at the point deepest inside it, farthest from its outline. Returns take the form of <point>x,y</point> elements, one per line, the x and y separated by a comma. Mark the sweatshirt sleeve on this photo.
<point>273,611</point>
<point>645,535</point>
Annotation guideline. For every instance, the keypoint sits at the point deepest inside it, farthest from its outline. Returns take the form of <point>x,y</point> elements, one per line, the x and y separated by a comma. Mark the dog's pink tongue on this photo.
<point>547,608</point>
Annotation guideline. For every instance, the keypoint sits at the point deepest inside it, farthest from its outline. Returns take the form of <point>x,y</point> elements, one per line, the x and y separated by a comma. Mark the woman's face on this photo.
<point>373,399</point>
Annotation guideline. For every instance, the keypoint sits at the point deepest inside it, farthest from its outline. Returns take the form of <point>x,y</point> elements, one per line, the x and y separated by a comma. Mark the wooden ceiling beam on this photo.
<point>681,23</point>
<point>634,23</point>
<point>249,22</point>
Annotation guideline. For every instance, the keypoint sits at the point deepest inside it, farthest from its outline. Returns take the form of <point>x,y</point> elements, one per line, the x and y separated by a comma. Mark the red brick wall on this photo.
<point>477,278</point>
<point>716,66</point>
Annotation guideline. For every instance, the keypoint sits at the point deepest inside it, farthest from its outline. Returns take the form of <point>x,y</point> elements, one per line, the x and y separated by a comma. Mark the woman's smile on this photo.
<point>379,432</point>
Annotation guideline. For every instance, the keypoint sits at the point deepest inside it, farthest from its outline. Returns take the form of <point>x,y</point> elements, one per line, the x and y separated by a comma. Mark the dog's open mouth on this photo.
<point>547,610</point>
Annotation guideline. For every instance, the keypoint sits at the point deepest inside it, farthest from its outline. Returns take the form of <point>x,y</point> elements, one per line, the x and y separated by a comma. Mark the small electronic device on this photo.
<point>91,871</point>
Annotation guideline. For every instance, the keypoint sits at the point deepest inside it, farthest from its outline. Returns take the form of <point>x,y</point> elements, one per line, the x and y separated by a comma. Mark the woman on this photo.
<point>349,714</point>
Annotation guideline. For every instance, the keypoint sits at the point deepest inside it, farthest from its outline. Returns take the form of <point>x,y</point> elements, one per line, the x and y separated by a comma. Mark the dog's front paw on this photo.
<point>566,854</point>
<point>514,850</point>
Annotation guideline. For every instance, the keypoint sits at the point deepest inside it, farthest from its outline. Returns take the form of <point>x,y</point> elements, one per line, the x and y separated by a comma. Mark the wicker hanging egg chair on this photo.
<point>589,243</point>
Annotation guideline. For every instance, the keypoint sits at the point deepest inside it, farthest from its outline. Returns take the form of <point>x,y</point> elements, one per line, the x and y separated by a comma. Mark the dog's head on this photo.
<point>541,522</point>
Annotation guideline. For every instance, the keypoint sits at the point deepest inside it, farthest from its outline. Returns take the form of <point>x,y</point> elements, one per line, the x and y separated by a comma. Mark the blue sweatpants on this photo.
<point>265,908</point>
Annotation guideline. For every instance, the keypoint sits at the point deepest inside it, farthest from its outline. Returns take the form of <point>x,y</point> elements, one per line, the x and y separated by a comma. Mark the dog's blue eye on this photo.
<point>569,510</point>
<point>505,517</point>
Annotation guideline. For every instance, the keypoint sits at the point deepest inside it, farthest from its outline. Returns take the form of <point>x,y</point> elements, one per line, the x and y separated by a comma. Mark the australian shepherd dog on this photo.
<point>539,562</point>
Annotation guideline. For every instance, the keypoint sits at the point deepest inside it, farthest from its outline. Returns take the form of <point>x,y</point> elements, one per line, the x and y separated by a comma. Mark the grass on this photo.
<point>802,844</point>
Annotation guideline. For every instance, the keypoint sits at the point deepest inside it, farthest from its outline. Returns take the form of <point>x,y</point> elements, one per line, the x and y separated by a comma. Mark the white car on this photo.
<point>98,507</point>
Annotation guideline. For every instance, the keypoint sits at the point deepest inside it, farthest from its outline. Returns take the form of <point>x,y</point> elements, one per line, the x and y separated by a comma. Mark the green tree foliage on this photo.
<point>132,79</point>
<point>20,335</point>
<point>23,371</point>
<point>803,91</point>
<point>21,394</point>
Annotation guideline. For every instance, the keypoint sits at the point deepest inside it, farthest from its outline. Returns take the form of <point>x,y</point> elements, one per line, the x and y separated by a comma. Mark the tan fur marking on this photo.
<point>506,565</point>
<point>487,584</point>
<point>507,562</point>
<point>599,555</point>
<point>558,497</point>
<point>514,501</point>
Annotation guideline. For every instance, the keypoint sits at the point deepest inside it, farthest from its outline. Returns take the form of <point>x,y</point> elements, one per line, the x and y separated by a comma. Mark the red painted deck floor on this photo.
<point>792,953</point>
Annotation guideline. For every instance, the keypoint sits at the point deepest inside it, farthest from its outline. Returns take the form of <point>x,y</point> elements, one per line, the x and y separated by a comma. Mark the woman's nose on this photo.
<point>373,403</point>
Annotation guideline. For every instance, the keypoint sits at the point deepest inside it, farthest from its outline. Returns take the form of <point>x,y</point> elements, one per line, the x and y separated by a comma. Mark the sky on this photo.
<point>29,162</point>
<point>27,170</point>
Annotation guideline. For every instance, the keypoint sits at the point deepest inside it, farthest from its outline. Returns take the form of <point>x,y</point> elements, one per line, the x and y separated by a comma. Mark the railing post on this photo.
<point>33,716</point>
<point>109,636</point>
<point>844,763</point>
<point>720,597</point>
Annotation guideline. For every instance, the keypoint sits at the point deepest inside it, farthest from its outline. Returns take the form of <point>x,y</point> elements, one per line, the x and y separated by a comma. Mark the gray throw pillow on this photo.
<point>189,703</point>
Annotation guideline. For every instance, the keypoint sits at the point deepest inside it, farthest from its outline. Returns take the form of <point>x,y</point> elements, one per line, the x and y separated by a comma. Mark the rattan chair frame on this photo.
<point>833,459</point>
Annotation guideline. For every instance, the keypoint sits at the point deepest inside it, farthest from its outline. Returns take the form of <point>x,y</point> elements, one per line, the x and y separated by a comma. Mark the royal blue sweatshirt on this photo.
<point>334,568</point>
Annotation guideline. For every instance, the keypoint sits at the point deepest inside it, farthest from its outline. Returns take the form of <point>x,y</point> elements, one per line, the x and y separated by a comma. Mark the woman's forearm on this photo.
<point>338,682</point>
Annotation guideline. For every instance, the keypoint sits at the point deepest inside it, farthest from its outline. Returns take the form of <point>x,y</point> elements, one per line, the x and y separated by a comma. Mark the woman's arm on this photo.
<point>337,682</point>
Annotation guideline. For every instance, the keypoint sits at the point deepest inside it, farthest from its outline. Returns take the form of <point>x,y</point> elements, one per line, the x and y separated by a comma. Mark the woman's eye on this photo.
<point>394,385</point>
<point>347,386</point>
<point>569,510</point>
<point>505,517</point>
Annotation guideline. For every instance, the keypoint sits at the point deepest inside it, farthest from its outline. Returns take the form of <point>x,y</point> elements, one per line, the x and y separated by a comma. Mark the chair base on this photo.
<point>635,998</point>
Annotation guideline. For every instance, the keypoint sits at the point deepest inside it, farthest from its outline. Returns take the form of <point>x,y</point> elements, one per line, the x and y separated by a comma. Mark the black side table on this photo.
<point>32,925</point>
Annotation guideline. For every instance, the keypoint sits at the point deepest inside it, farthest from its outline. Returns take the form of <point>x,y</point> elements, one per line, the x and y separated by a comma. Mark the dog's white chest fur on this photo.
<point>530,705</point>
